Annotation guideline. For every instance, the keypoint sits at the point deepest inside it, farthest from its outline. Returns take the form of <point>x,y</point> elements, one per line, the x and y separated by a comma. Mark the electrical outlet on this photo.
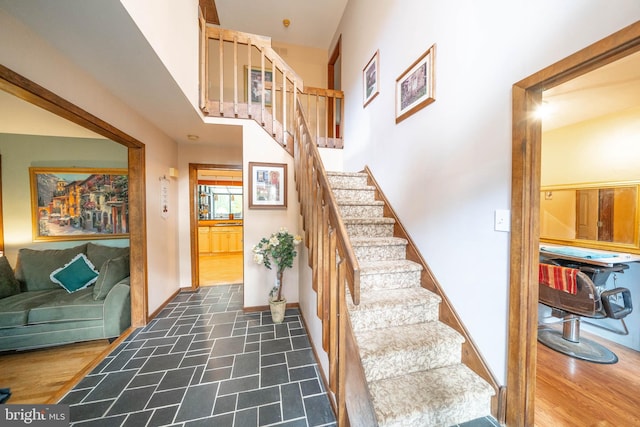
<point>502,220</point>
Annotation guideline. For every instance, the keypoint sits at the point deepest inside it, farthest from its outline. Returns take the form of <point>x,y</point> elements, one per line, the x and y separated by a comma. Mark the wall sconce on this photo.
<point>173,172</point>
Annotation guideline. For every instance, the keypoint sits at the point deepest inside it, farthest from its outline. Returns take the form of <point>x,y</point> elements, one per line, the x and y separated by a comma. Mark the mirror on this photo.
<point>602,215</point>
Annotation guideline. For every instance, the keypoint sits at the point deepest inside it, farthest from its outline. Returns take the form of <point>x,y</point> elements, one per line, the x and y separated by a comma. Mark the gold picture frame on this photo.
<point>267,185</point>
<point>79,203</point>
<point>415,88</point>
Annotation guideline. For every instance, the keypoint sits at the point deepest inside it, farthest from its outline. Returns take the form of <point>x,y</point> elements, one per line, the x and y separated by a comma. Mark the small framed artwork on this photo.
<point>79,203</point>
<point>253,85</point>
<point>370,79</point>
<point>267,185</point>
<point>415,88</point>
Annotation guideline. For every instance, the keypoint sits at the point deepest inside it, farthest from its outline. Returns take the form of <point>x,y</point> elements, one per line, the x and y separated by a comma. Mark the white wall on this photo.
<point>34,58</point>
<point>205,154</point>
<point>598,150</point>
<point>258,146</point>
<point>447,168</point>
<point>177,48</point>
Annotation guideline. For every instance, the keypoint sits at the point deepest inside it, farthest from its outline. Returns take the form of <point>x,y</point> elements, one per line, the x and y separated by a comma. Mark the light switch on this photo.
<point>502,220</point>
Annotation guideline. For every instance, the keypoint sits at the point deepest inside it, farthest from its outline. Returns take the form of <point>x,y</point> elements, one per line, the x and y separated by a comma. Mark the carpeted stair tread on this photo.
<point>393,307</point>
<point>368,220</point>
<point>439,397</point>
<point>360,203</point>
<point>378,343</point>
<point>377,241</point>
<point>405,297</point>
<point>388,266</point>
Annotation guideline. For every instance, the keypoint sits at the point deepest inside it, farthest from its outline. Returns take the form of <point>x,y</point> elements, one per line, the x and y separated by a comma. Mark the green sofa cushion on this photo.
<point>34,266</point>
<point>112,271</point>
<point>76,274</point>
<point>99,254</point>
<point>77,306</point>
<point>14,310</point>
<point>9,285</point>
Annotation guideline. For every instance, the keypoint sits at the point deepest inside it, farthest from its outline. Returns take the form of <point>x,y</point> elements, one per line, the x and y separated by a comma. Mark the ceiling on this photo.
<point>606,90</point>
<point>100,37</point>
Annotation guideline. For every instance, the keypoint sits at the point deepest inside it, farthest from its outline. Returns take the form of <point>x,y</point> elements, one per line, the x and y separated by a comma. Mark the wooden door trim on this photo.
<point>33,93</point>
<point>525,206</point>
<point>193,215</point>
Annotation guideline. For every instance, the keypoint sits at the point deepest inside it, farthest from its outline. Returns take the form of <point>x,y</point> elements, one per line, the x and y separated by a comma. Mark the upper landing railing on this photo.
<point>245,78</point>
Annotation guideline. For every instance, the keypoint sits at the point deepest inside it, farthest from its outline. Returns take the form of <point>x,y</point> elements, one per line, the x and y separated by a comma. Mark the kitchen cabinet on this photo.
<point>218,239</point>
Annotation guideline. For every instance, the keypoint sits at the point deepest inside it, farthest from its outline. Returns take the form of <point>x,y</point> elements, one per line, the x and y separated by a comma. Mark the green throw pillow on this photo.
<point>9,285</point>
<point>76,274</point>
<point>99,254</point>
<point>112,271</point>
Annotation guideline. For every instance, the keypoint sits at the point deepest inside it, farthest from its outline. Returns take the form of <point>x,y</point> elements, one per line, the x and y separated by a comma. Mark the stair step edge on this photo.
<point>378,342</point>
<point>408,297</point>
<point>378,241</point>
<point>388,266</point>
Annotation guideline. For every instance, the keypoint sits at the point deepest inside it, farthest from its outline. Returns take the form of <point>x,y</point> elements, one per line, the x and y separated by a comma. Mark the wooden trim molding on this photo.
<point>193,215</point>
<point>33,93</point>
<point>525,208</point>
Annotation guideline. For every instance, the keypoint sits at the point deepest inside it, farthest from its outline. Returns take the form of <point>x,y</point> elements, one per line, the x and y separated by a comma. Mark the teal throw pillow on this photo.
<point>112,271</point>
<point>76,274</point>
<point>9,285</point>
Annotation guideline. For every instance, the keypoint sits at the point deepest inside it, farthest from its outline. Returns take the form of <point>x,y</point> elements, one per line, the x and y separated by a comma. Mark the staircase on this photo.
<point>411,360</point>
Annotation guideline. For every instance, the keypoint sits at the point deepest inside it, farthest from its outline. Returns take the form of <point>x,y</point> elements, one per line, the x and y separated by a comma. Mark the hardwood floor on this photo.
<point>221,269</point>
<point>575,393</point>
<point>36,376</point>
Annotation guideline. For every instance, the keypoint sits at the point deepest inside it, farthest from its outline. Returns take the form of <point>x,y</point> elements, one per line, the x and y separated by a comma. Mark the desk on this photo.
<point>587,256</point>
<point>598,265</point>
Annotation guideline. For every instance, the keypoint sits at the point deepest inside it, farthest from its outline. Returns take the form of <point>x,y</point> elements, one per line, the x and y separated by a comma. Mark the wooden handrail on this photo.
<point>331,258</point>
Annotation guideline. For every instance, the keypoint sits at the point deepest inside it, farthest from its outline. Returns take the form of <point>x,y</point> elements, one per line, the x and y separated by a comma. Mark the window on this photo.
<point>220,202</point>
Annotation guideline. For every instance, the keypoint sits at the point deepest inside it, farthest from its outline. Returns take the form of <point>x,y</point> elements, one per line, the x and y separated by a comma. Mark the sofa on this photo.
<point>61,296</point>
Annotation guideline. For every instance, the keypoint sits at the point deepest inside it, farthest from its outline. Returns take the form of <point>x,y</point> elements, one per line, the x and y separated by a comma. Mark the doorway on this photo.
<point>525,224</point>
<point>217,224</point>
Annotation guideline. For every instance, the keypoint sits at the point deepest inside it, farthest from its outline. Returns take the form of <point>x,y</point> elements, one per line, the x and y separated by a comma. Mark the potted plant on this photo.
<point>278,249</point>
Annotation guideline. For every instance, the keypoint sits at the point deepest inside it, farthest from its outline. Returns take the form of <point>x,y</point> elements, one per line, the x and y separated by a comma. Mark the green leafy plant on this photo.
<point>278,249</point>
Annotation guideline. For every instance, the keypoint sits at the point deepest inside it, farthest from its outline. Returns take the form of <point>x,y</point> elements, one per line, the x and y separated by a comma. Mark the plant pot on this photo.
<point>277,310</point>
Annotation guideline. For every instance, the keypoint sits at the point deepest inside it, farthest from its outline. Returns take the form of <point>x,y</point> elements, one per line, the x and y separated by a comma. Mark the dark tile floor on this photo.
<point>203,362</point>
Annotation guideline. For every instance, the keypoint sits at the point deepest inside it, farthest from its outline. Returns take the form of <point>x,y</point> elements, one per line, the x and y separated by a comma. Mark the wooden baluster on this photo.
<point>248,77</point>
<point>340,334</point>
<point>235,76</point>
<point>264,85</point>
<point>317,119</point>
<point>274,97</point>
<point>333,313</point>
<point>333,125</point>
<point>284,107</point>
<point>221,60</point>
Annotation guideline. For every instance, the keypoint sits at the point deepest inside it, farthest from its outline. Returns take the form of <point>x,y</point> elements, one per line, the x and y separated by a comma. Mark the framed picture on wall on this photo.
<point>79,203</point>
<point>267,185</point>
<point>370,79</point>
<point>253,85</point>
<point>415,88</point>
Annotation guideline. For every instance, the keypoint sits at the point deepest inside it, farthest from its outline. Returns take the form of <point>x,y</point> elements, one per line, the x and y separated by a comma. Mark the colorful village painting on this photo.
<point>71,204</point>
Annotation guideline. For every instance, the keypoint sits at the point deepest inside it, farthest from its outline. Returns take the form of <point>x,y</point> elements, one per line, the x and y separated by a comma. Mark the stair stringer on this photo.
<point>471,356</point>
<point>386,370</point>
